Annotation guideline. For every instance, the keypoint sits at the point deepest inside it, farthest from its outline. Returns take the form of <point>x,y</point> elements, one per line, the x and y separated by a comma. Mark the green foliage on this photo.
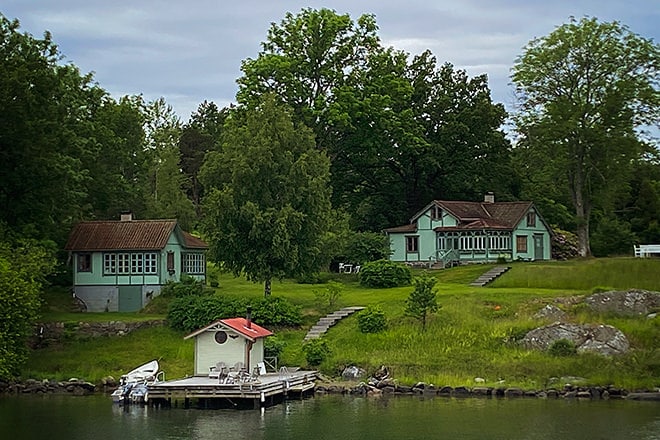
<point>23,267</point>
<point>363,247</point>
<point>187,286</point>
<point>422,300</point>
<point>273,346</point>
<point>611,237</point>
<point>276,311</point>
<point>316,351</point>
<point>385,273</point>
<point>564,245</point>
<point>189,313</point>
<point>268,197</point>
<point>372,320</point>
<point>329,296</point>
<point>562,348</point>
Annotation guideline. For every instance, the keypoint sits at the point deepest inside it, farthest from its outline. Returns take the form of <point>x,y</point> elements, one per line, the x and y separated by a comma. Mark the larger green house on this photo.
<point>121,265</point>
<point>446,233</point>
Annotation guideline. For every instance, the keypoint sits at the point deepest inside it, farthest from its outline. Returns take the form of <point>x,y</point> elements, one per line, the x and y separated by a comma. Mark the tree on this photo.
<point>422,300</point>
<point>268,199</point>
<point>23,267</point>
<point>585,91</point>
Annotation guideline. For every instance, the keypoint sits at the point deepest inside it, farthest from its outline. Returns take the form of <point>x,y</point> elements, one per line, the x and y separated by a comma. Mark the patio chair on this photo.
<point>218,371</point>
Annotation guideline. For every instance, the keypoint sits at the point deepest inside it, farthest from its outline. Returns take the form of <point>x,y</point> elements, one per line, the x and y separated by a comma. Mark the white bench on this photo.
<point>646,250</point>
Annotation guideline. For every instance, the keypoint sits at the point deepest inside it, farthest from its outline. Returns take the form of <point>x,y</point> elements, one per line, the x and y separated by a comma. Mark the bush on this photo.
<point>384,274</point>
<point>275,311</point>
<point>363,247</point>
<point>562,348</point>
<point>188,286</point>
<point>188,313</point>
<point>372,320</point>
<point>329,296</point>
<point>564,245</point>
<point>273,346</point>
<point>316,351</point>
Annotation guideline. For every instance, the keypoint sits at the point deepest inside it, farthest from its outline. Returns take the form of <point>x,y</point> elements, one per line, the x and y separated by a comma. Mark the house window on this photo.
<point>123,263</point>
<point>521,243</point>
<point>170,262</point>
<point>500,242</point>
<point>193,263</point>
<point>531,219</point>
<point>110,263</point>
<point>436,213</point>
<point>412,244</point>
<point>150,266</point>
<point>84,262</point>
<point>136,263</point>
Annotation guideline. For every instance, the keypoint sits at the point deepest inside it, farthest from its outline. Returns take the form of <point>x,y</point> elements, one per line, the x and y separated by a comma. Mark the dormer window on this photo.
<point>531,219</point>
<point>436,212</point>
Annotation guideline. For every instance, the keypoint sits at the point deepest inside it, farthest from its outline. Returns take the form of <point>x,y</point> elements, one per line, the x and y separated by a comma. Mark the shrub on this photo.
<point>273,346</point>
<point>329,296</point>
<point>188,286</point>
<point>564,245</point>
<point>316,351</point>
<point>363,247</point>
<point>384,274</point>
<point>562,348</point>
<point>189,313</point>
<point>372,320</point>
<point>422,301</point>
<point>275,311</point>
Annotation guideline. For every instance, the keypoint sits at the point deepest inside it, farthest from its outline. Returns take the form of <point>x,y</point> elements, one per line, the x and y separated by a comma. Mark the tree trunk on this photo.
<point>582,213</point>
<point>267,288</point>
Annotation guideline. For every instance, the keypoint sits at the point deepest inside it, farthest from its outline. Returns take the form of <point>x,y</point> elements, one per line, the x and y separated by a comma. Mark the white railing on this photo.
<point>646,250</point>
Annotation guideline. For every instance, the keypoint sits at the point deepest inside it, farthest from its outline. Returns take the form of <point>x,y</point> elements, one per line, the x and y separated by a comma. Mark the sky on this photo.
<point>189,51</point>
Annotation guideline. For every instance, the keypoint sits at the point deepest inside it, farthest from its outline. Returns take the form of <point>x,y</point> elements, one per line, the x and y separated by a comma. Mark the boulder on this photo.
<point>352,372</point>
<point>551,313</point>
<point>602,339</point>
<point>633,302</point>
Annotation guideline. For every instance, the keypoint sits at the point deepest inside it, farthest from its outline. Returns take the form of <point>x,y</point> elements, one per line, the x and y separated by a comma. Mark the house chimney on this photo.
<point>489,197</point>
<point>248,318</point>
<point>126,216</point>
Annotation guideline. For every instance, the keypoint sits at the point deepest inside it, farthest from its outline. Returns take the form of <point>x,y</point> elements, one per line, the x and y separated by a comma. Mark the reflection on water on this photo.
<point>333,417</point>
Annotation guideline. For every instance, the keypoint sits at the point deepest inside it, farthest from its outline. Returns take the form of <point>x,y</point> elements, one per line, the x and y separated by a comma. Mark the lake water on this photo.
<point>333,417</point>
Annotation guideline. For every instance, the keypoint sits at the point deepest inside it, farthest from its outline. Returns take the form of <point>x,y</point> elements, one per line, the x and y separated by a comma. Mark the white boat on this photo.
<point>133,386</point>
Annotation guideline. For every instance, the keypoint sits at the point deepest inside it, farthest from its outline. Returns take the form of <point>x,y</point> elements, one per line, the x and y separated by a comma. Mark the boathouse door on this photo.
<point>130,298</point>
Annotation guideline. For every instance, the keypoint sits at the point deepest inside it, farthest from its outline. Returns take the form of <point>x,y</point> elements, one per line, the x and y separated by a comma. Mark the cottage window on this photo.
<point>84,262</point>
<point>136,263</point>
<point>412,244</point>
<point>500,242</point>
<point>109,263</point>
<point>436,213</point>
<point>521,243</point>
<point>123,263</point>
<point>531,219</point>
<point>170,262</point>
<point>150,266</point>
<point>193,263</point>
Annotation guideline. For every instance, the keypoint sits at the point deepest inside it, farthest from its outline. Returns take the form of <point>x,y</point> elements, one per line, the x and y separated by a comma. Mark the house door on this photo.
<point>130,298</point>
<point>538,247</point>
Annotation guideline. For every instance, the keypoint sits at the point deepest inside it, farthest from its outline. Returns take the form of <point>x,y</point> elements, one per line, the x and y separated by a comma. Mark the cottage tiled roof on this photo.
<point>126,235</point>
<point>474,215</point>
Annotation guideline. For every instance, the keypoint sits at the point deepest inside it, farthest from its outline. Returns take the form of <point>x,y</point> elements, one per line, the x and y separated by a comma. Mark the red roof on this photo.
<point>239,325</point>
<point>127,235</point>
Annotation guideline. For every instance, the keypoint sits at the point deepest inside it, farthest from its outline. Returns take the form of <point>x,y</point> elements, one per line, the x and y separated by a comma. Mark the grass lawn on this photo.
<point>473,334</point>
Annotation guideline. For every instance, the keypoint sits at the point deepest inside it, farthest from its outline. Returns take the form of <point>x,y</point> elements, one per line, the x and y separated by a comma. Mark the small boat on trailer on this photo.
<point>134,385</point>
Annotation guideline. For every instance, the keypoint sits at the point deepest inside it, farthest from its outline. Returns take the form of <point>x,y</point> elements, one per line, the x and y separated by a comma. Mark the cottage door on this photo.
<point>130,298</point>
<point>538,247</point>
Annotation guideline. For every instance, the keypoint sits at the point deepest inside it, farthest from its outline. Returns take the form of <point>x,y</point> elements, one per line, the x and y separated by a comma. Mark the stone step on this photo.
<point>329,320</point>
<point>489,276</point>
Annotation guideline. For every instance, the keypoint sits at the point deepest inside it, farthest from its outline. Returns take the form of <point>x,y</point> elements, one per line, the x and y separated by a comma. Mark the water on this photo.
<point>333,417</point>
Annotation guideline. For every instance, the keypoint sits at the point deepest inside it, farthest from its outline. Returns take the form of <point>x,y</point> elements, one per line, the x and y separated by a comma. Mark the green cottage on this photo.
<point>121,265</point>
<point>446,233</point>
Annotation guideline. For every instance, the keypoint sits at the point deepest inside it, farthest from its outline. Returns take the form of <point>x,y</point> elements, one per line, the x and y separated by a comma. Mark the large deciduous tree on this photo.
<point>585,90</point>
<point>268,199</point>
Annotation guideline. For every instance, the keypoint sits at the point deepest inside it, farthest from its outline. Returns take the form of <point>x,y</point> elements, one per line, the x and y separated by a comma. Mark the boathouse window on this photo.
<point>436,213</point>
<point>84,263</point>
<point>150,266</point>
<point>531,219</point>
<point>412,244</point>
<point>221,337</point>
<point>109,263</point>
<point>194,263</point>
<point>135,263</point>
<point>521,243</point>
<point>123,265</point>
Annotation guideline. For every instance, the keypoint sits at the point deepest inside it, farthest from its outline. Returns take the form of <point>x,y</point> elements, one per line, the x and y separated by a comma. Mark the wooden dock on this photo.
<point>205,392</point>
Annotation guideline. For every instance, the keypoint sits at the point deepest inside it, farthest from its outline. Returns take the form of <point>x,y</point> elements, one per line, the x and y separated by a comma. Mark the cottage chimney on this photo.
<point>248,318</point>
<point>489,197</point>
<point>126,216</point>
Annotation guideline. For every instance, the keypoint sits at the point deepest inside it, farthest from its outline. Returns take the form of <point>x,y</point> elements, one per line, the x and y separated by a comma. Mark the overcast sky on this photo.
<point>188,51</point>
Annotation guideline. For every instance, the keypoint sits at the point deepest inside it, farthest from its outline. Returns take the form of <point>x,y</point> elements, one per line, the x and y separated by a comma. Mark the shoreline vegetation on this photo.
<point>474,334</point>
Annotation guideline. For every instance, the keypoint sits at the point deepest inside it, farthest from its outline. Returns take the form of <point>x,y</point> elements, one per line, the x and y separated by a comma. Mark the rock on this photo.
<point>513,392</point>
<point>446,390</point>
<point>602,339</point>
<point>352,372</point>
<point>633,302</point>
<point>479,380</point>
<point>461,391</point>
<point>551,313</point>
<point>583,395</point>
<point>644,396</point>
<point>382,373</point>
<point>482,391</point>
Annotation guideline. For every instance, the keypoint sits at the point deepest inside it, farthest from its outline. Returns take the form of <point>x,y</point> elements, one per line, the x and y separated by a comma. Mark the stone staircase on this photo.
<point>329,320</point>
<point>489,276</point>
